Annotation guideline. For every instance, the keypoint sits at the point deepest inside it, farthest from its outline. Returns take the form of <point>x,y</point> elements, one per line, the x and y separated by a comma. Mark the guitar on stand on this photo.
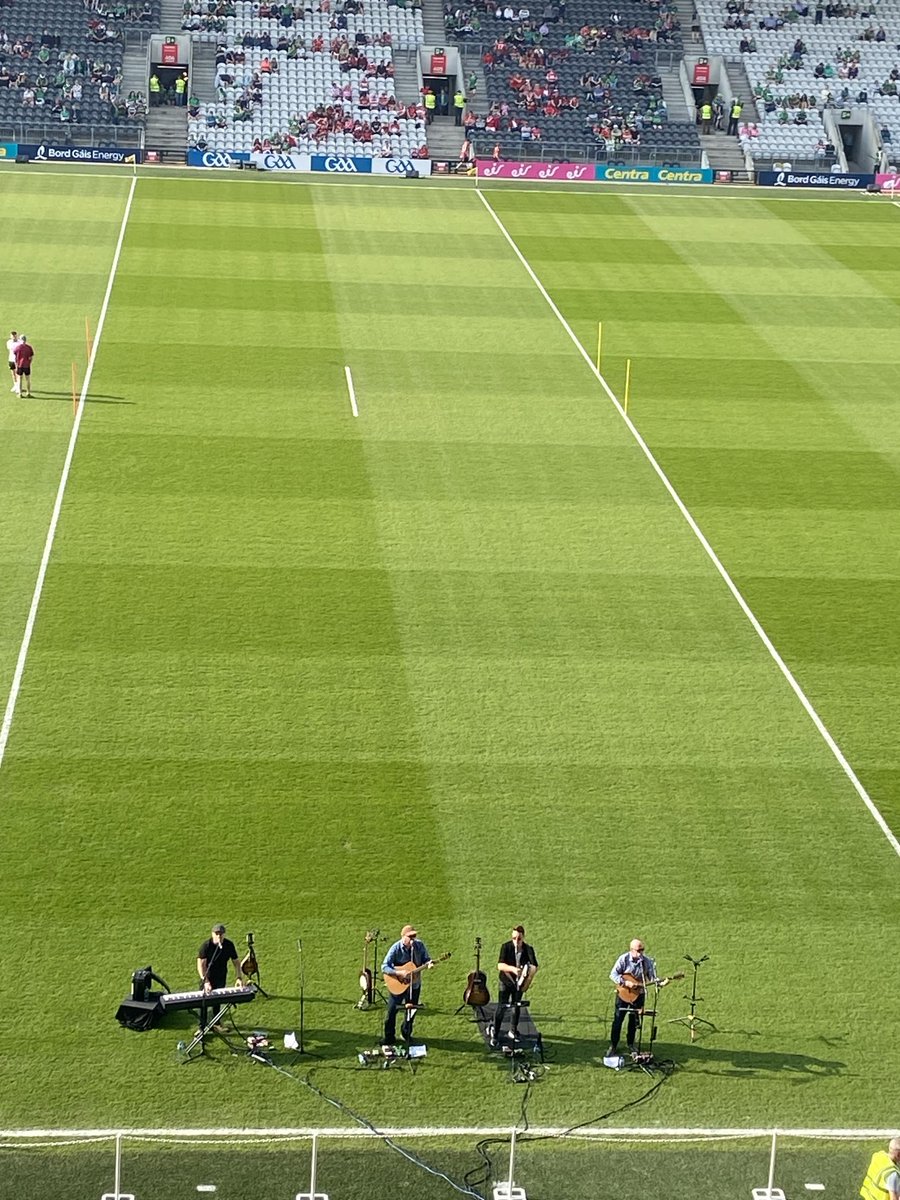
<point>476,993</point>
<point>250,968</point>
<point>367,973</point>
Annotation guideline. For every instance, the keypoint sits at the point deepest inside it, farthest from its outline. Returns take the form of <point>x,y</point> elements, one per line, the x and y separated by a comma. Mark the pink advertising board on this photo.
<point>564,172</point>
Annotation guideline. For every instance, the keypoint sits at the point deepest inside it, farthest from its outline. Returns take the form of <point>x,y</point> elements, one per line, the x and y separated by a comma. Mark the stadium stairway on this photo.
<point>407,80</point>
<point>445,139</point>
<point>673,94</point>
<point>134,70</point>
<point>203,71</point>
<point>171,16</point>
<point>433,23</point>
<point>167,130</point>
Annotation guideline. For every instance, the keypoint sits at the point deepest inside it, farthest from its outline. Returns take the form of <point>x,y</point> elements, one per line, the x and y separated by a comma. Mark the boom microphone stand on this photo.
<point>692,1020</point>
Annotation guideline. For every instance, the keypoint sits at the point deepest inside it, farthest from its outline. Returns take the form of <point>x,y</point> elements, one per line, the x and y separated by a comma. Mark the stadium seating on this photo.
<point>616,42</point>
<point>303,84</point>
<point>73,28</point>
<point>830,43</point>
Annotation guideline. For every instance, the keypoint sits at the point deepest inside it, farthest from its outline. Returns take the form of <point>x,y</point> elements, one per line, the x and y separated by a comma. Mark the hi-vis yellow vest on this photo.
<point>874,1186</point>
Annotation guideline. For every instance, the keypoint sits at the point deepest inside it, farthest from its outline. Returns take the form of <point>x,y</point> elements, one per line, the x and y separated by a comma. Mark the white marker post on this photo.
<point>352,391</point>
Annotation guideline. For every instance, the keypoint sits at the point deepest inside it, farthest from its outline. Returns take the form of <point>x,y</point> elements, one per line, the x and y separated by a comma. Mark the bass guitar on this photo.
<point>476,992</point>
<point>408,975</point>
<point>631,988</point>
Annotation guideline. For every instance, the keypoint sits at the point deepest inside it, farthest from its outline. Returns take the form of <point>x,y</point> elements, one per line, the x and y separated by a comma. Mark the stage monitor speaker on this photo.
<point>140,983</point>
<point>139,1014</point>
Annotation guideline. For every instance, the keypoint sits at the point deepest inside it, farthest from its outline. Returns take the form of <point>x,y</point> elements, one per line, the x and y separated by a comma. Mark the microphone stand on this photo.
<point>301,1048</point>
<point>692,1021</point>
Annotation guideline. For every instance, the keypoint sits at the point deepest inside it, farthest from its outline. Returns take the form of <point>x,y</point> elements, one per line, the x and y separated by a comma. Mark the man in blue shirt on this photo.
<point>407,950</point>
<point>636,964</point>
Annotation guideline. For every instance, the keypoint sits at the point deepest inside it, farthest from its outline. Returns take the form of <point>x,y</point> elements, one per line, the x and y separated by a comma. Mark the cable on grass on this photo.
<point>464,1189</point>
<point>481,1175</point>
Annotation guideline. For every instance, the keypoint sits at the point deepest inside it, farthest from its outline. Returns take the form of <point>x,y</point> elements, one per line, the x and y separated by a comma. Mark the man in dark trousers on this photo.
<point>517,966</point>
<point>213,958</point>
<point>408,952</point>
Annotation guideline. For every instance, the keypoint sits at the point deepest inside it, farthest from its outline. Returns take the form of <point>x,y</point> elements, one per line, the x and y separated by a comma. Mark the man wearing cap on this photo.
<point>407,950</point>
<point>635,964</point>
<point>517,966</point>
<point>213,958</point>
<point>882,1181</point>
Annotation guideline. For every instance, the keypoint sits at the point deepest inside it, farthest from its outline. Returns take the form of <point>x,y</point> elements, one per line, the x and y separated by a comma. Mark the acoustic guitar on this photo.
<point>476,992</point>
<point>631,987</point>
<point>366,979</point>
<point>409,974</point>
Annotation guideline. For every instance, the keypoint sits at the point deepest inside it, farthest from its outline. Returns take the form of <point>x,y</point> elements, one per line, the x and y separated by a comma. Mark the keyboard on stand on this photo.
<point>173,1001</point>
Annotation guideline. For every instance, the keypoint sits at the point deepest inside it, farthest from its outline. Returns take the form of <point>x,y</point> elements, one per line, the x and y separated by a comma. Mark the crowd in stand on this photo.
<point>54,83</point>
<point>616,101</point>
<point>360,108</point>
<point>211,16</point>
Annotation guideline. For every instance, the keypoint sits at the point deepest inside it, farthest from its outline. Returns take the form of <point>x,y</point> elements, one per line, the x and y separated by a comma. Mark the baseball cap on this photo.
<point>408,931</point>
<point>220,928</point>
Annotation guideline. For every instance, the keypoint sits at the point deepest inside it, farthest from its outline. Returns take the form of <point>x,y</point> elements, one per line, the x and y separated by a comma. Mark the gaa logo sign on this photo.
<point>340,164</point>
<point>218,158</point>
<point>280,162</point>
<point>399,166</point>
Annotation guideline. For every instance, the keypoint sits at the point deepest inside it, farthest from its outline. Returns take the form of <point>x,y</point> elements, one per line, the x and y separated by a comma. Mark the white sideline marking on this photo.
<point>352,392</point>
<point>651,1132</point>
<point>60,492</point>
<point>713,557</point>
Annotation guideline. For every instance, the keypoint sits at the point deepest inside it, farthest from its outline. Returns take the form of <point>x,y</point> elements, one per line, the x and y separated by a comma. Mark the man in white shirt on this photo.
<point>11,343</point>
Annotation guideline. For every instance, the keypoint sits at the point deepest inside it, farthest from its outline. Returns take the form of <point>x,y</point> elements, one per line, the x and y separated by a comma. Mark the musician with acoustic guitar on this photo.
<point>403,965</point>
<point>213,958</point>
<point>517,966</point>
<point>631,974</point>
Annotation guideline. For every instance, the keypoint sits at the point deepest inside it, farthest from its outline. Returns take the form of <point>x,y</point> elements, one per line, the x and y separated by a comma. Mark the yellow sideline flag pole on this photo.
<point>627,382</point>
<point>599,344</point>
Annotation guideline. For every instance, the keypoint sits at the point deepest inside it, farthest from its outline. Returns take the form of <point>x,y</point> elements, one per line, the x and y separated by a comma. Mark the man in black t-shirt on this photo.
<point>517,966</point>
<point>213,958</point>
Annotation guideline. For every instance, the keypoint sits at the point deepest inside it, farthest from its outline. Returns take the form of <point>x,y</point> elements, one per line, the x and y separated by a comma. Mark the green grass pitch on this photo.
<point>460,660</point>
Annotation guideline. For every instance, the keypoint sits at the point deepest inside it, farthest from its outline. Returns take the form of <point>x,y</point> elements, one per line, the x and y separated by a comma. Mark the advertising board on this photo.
<point>813,179</point>
<point>47,152</point>
<point>218,159</point>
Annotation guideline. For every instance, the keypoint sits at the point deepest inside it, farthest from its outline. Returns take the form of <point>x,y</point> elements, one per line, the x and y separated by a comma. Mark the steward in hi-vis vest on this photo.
<point>882,1181</point>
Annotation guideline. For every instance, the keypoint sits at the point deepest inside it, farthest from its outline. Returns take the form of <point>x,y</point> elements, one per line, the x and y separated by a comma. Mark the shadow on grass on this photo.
<point>90,398</point>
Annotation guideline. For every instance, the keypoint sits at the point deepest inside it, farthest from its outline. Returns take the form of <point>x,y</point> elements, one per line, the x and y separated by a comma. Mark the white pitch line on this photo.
<point>701,538</point>
<point>60,492</point>
<point>352,392</point>
<point>645,1131</point>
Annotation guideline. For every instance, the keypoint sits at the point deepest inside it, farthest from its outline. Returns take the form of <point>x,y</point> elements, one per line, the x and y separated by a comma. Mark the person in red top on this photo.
<point>24,355</point>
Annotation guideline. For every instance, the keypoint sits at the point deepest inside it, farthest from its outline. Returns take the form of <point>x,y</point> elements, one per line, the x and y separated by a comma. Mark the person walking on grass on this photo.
<point>24,355</point>
<point>11,344</point>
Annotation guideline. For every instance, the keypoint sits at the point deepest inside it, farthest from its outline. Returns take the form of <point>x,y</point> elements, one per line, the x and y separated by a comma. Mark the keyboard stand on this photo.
<point>196,1047</point>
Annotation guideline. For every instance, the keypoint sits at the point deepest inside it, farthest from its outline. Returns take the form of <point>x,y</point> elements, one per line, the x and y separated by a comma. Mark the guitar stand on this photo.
<point>378,996</point>
<point>692,1020</point>
<point>254,979</point>
<point>196,1047</point>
